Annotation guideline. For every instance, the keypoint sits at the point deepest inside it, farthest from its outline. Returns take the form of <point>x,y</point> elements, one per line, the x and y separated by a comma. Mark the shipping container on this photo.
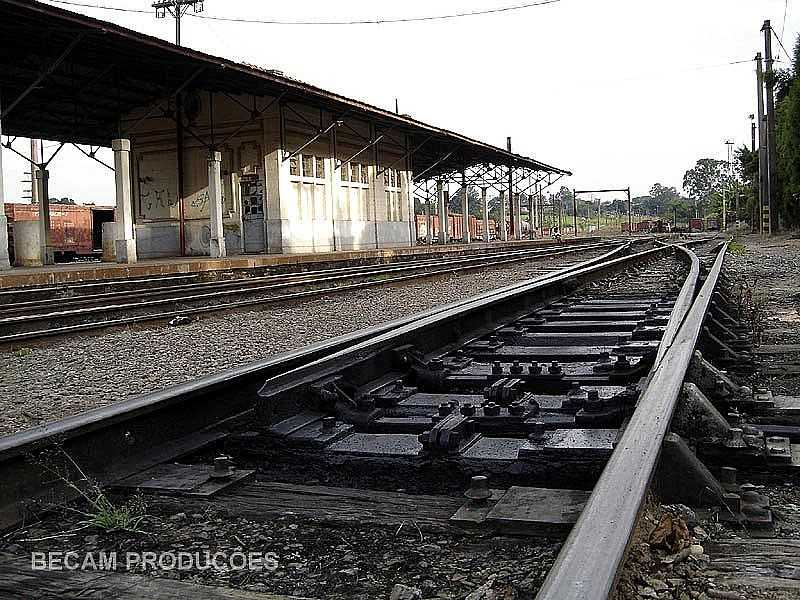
<point>75,230</point>
<point>696,225</point>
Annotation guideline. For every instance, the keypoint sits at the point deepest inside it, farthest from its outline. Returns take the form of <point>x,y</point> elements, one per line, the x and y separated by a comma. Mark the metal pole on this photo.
<point>598,215</point>
<point>485,204</point>
<point>512,224</point>
<point>575,212</point>
<point>45,244</point>
<point>441,210</point>
<point>4,262</point>
<point>502,224</point>
<point>769,80</point>
<point>428,221</point>
<point>466,238</point>
<point>36,158</point>
<point>763,176</point>
<point>630,220</point>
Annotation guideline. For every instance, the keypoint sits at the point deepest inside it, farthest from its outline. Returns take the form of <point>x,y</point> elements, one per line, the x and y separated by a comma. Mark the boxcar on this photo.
<point>76,230</point>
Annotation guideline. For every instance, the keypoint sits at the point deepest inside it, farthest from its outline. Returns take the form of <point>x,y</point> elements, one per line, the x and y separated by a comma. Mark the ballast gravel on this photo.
<point>48,380</point>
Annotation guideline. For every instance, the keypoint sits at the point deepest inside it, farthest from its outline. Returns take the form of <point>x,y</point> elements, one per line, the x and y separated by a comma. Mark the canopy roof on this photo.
<point>68,77</point>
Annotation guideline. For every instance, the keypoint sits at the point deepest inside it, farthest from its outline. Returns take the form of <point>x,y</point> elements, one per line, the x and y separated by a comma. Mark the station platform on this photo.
<point>65,273</point>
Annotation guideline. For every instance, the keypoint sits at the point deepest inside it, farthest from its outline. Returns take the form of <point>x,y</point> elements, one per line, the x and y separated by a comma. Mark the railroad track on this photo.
<point>25,319</point>
<point>561,390</point>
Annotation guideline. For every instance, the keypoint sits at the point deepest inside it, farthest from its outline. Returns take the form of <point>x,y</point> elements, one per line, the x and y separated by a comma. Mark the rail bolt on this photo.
<point>555,368</point>
<point>736,439</point>
<point>622,363</point>
<point>328,424</point>
<point>593,401</point>
<point>223,467</point>
<point>479,491</point>
<point>468,409</point>
<point>444,409</point>
<point>538,432</point>
<point>516,368</point>
<point>399,385</point>
<point>727,477</point>
<point>490,409</point>
<point>497,368</point>
<point>436,364</point>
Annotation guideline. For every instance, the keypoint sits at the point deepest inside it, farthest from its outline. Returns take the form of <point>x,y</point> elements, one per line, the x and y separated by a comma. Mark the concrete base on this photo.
<point>126,251</point>
<point>27,252</point>
<point>216,248</point>
<point>4,262</point>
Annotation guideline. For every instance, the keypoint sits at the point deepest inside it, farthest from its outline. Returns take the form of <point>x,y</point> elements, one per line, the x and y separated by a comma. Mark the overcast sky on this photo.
<point>621,92</point>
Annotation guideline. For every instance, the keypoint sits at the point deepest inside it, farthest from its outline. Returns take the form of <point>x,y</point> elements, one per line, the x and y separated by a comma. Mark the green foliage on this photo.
<point>736,248</point>
<point>787,137</point>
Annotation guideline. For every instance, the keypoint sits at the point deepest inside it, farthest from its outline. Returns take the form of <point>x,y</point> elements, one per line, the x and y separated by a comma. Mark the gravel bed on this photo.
<point>49,380</point>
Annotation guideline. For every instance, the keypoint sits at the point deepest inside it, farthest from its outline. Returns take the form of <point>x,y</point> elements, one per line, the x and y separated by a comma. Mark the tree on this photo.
<point>706,181</point>
<point>746,166</point>
<point>787,141</point>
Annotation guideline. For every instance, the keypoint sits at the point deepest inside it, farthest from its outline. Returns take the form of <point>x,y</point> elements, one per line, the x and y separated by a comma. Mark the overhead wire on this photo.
<point>375,21</point>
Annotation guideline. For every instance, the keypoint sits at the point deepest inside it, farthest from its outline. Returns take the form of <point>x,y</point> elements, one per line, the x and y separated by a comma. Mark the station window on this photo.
<point>319,167</point>
<point>365,174</point>
<point>355,172</point>
<point>308,165</point>
<point>294,166</point>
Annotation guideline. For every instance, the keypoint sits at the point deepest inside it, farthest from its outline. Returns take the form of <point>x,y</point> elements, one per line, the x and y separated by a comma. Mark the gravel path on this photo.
<point>61,377</point>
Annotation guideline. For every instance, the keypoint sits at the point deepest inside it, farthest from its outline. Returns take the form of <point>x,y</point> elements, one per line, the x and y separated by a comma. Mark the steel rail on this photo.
<point>524,295</point>
<point>41,333</point>
<point>104,438</point>
<point>253,284</point>
<point>683,303</point>
<point>591,559</point>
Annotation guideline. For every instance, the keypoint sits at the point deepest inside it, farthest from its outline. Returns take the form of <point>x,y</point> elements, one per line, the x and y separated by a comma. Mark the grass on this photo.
<point>736,248</point>
<point>100,512</point>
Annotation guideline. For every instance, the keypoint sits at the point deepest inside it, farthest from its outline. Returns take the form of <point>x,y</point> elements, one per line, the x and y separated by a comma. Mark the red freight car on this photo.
<point>75,230</point>
<point>455,227</point>
<point>696,225</point>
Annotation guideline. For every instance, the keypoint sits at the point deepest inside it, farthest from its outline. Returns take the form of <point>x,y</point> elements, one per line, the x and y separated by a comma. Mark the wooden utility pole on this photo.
<point>772,163</point>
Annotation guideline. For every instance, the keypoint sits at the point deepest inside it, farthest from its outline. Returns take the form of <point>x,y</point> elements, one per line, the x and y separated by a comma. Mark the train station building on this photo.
<point>216,158</point>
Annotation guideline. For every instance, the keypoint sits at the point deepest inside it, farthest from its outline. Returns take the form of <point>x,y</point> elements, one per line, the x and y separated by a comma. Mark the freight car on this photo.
<point>75,230</point>
<point>455,227</point>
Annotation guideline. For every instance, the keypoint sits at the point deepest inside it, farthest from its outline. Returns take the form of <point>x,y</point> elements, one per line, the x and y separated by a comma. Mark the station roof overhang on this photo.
<point>71,78</point>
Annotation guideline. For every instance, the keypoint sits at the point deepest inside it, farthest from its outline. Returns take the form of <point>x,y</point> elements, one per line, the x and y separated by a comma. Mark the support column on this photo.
<point>442,211</point>
<point>125,241</point>
<point>517,217</point>
<point>217,244</point>
<point>503,231</point>
<point>467,237</point>
<point>45,243</point>
<point>485,204</point>
<point>4,262</point>
<point>428,222</point>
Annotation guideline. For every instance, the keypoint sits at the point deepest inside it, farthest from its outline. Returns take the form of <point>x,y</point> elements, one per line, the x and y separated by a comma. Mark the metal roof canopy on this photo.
<point>76,76</point>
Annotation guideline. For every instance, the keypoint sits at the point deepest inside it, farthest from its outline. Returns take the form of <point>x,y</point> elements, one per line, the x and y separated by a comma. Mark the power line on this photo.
<point>376,21</point>
<point>783,25</point>
<point>788,55</point>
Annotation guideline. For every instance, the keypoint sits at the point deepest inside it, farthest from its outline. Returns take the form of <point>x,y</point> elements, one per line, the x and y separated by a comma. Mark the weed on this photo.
<point>100,511</point>
<point>24,351</point>
<point>736,248</point>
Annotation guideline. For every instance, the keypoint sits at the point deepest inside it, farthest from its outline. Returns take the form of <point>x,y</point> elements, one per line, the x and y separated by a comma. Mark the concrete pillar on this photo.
<point>45,242</point>
<point>4,263</point>
<point>467,238</point>
<point>428,222</point>
<point>485,203</point>
<point>217,245</point>
<point>446,195</point>
<point>517,217</point>
<point>502,224</point>
<point>442,212</point>
<point>125,241</point>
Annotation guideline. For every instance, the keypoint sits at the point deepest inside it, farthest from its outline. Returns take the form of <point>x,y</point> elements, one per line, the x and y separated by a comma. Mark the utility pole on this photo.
<point>630,221</point>
<point>763,175</point>
<point>574,212</point>
<point>752,133</point>
<point>176,9</point>
<point>772,163</point>
<point>729,144</point>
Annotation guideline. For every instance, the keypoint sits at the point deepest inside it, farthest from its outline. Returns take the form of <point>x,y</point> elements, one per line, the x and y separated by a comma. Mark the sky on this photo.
<point>621,92</point>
